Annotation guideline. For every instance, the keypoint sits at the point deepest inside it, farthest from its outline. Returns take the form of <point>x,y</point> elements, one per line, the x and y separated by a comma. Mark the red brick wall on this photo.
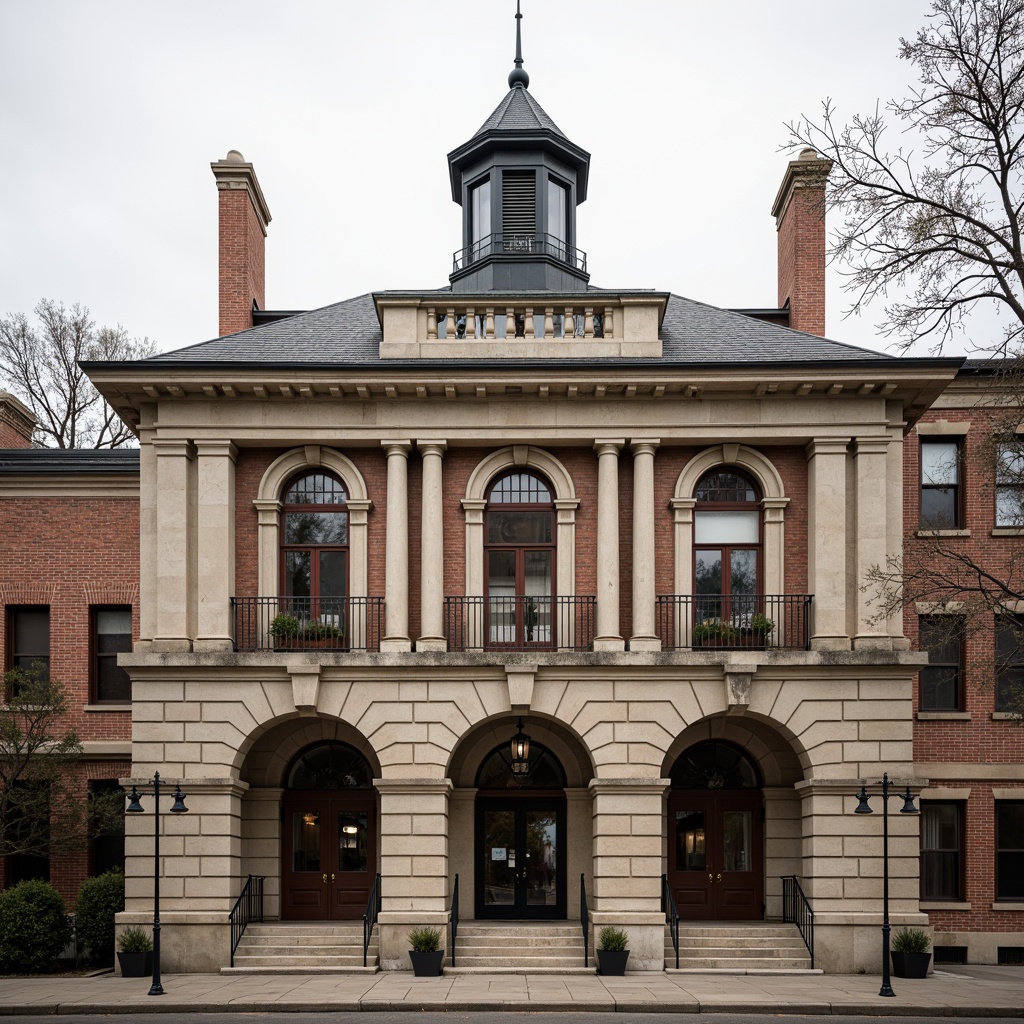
<point>242,260</point>
<point>801,260</point>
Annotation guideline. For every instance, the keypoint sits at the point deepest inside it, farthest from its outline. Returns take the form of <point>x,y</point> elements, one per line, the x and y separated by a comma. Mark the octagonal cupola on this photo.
<point>519,181</point>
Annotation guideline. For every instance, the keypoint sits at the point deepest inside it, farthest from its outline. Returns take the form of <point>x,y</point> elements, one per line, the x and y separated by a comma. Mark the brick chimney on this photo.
<point>17,422</point>
<point>799,213</point>
<point>243,220</point>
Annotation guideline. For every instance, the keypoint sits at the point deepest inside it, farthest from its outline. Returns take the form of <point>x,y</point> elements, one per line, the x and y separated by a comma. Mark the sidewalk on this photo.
<point>958,992</point>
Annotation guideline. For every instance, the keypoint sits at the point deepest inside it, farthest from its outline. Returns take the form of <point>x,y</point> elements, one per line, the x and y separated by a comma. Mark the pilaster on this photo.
<point>644,636</point>
<point>826,542</point>
<point>175,570</point>
<point>396,566</point>
<point>215,569</point>
<point>432,549</point>
<point>608,637</point>
<point>870,474</point>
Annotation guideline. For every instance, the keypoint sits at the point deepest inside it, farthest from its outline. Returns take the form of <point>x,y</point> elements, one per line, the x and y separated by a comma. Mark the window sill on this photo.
<point>944,533</point>
<point>1016,907</point>
<point>1007,531</point>
<point>107,707</point>
<point>944,905</point>
<point>944,716</point>
<point>1004,716</point>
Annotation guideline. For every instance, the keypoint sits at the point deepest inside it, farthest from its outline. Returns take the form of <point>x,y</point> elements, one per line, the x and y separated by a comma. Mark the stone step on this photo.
<point>297,949</point>
<point>312,939</point>
<point>519,970</point>
<point>741,951</point>
<point>531,949</point>
<point>716,943</point>
<point>346,930</point>
<point>299,960</point>
<point>741,930</point>
<point>301,970</point>
<point>515,960</point>
<point>471,928</point>
<point>742,963</point>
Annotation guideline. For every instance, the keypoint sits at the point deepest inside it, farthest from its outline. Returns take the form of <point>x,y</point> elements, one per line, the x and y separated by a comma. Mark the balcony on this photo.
<point>519,245</point>
<point>520,623</point>
<point>308,623</point>
<point>730,622</point>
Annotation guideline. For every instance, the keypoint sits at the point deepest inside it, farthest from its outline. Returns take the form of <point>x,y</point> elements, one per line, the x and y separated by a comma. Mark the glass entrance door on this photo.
<point>715,854</point>
<point>329,858</point>
<point>520,858</point>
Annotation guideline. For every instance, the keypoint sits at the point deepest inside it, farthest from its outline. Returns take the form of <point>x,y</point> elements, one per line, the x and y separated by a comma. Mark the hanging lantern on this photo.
<point>520,752</point>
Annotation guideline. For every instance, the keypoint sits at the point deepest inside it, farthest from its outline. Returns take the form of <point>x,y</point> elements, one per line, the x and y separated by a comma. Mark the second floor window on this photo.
<point>314,546</point>
<point>112,635</point>
<point>28,631</point>
<point>519,560</point>
<point>1010,483</point>
<point>1009,662</point>
<point>940,485</point>
<point>941,679</point>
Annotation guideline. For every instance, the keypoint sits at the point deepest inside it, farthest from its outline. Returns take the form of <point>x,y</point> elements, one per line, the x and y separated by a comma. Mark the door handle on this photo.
<point>325,879</point>
<point>711,877</point>
<point>332,877</point>
<point>718,879</point>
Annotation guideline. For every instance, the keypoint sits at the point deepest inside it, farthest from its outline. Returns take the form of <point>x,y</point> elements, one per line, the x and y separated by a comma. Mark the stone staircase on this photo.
<point>293,947</point>
<point>738,947</point>
<point>510,947</point>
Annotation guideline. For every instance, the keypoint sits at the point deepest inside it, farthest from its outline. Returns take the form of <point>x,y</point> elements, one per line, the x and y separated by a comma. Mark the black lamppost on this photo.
<point>863,808</point>
<point>135,807</point>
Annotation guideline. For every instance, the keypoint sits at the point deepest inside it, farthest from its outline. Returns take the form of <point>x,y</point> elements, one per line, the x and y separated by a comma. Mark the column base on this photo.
<point>874,642</point>
<point>645,644</point>
<point>213,644</point>
<point>609,643</point>
<point>830,643</point>
<point>171,645</point>
<point>395,645</point>
<point>432,645</point>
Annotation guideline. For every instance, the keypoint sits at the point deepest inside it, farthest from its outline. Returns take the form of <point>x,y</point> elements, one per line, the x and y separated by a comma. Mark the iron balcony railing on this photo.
<point>520,623</point>
<point>734,621</point>
<point>537,244</point>
<point>308,623</point>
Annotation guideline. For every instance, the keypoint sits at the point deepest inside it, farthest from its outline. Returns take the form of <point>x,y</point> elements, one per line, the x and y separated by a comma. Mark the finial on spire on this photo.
<point>518,76</point>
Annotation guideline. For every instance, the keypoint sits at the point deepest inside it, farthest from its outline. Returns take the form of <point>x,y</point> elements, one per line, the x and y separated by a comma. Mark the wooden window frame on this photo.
<point>954,627</point>
<point>957,488</point>
<point>999,849</point>
<point>960,850</point>
<point>95,656</point>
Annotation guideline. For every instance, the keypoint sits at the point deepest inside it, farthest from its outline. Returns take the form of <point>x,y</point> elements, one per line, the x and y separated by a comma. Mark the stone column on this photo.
<point>608,636</point>
<point>215,570</point>
<point>432,549</point>
<point>396,566</point>
<point>175,570</point>
<point>870,471</point>
<point>826,542</point>
<point>148,589</point>
<point>413,863</point>
<point>628,826</point>
<point>894,504</point>
<point>645,637</point>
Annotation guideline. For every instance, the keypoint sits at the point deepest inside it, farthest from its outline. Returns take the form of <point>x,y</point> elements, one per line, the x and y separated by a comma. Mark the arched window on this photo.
<point>726,548</point>
<point>314,548</point>
<point>329,765</point>
<point>714,765</point>
<point>545,770</point>
<point>519,560</point>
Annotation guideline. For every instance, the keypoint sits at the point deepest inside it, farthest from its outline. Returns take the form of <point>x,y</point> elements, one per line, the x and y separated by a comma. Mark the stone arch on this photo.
<point>527,457</point>
<point>773,504</point>
<point>268,508</point>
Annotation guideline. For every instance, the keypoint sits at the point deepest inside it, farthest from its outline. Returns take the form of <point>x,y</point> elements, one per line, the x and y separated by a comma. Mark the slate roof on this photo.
<point>69,460</point>
<point>519,111</point>
<point>348,333</point>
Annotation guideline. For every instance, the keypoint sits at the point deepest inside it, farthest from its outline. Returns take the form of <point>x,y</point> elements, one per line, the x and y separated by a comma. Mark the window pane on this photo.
<point>480,211</point>
<point>297,574</point>
<point>725,485</point>
<point>939,689</point>
<point>519,527</point>
<point>32,633</point>
<point>938,508</point>
<point>316,489</point>
<point>939,462</point>
<point>305,840</point>
<point>736,840</point>
<point>691,841</point>
<point>726,527</point>
<point>332,575</point>
<point>112,682</point>
<point>557,204</point>
<point>1010,851</point>
<point>1010,826</point>
<point>520,489</point>
<point>316,528</point>
<point>114,620</point>
<point>1010,462</point>
<point>708,572</point>
<point>352,842</point>
<point>1009,662</point>
<point>1010,506</point>
<point>743,572</point>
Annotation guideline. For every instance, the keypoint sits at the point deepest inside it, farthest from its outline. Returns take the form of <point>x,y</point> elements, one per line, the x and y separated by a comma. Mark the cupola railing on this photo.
<point>504,244</point>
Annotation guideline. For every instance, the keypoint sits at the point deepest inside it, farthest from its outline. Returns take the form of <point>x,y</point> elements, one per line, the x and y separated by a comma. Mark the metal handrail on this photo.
<point>796,909</point>
<point>453,916</point>
<point>735,621</point>
<point>370,917</point>
<point>585,920</point>
<point>531,244</point>
<point>248,907</point>
<point>308,623</point>
<point>520,622</point>
<point>668,908</point>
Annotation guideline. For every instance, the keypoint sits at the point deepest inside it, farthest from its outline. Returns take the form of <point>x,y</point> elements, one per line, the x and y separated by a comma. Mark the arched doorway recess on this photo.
<point>329,834</point>
<point>716,834</point>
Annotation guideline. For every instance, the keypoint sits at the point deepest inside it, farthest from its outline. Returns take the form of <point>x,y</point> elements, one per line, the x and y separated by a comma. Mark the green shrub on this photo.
<point>99,899</point>
<point>425,940</point>
<point>134,940</point>
<point>284,626</point>
<point>34,926</point>
<point>612,940</point>
<point>910,940</point>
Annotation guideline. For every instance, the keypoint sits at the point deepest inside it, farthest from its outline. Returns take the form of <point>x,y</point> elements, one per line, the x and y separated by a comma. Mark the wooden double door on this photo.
<point>716,854</point>
<point>329,855</point>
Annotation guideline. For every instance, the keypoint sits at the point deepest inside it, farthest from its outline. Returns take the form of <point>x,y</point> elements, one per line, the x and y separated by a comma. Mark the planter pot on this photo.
<point>136,965</point>
<point>611,963</point>
<point>426,965</point>
<point>910,965</point>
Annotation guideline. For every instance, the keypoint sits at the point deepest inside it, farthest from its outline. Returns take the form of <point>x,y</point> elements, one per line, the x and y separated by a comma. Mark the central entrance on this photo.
<point>520,836</point>
<point>716,835</point>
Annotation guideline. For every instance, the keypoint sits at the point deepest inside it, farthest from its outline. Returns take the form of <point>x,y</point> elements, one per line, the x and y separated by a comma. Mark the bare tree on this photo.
<point>935,216</point>
<point>40,364</point>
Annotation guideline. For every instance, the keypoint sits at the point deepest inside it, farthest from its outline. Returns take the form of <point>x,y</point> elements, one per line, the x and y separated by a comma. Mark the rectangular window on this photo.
<point>28,630</point>
<point>940,680</point>
<point>106,826</point>
<point>1010,851</point>
<point>940,484</point>
<point>479,212</point>
<point>1009,662</point>
<point>941,850</point>
<point>111,635</point>
<point>1010,483</point>
<point>558,212</point>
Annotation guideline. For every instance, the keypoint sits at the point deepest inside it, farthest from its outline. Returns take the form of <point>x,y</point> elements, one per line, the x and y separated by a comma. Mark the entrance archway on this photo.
<point>520,836</point>
<point>329,834</point>
<point>716,834</point>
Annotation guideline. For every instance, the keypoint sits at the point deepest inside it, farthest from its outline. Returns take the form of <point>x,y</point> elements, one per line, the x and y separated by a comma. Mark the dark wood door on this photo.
<point>520,858</point>
<point>329,854</point>
<point>716,854</point>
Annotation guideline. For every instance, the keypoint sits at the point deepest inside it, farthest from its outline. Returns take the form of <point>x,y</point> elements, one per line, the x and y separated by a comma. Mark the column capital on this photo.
<point>415,787</point>
<point>644,445</point>
<point>400,447</point>
<point>173,447</point>
<point>609,445</point>
<point>432,447</point>
<point>629,787</point>
<point>213,449</point>
<point>827,446</point>
<point>876,444</point>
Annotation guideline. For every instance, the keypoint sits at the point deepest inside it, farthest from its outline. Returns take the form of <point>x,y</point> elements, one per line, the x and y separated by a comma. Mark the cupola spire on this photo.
<point>518,75</point>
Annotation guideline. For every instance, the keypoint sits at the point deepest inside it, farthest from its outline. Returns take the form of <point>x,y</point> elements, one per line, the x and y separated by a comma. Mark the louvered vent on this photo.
<point>519,203</point>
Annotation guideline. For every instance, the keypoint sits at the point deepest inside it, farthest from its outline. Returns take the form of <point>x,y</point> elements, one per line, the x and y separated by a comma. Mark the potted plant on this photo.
<point>426,953</point>
<point>612,951</point>
<point>910,954</point>
<point>320,634</point>
<point>285,630</point>
<point>757,633</point>
<point>135,953</point>
<point>713,633</point>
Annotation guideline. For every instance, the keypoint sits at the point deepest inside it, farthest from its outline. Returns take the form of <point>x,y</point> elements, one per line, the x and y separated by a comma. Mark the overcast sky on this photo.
<point>111,111</point>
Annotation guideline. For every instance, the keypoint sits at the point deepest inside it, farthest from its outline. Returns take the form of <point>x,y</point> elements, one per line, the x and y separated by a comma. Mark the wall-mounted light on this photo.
<point>520,752</point>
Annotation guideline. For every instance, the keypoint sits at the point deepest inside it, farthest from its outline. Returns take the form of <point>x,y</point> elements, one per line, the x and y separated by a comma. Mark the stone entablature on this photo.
<point>548,327</point>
